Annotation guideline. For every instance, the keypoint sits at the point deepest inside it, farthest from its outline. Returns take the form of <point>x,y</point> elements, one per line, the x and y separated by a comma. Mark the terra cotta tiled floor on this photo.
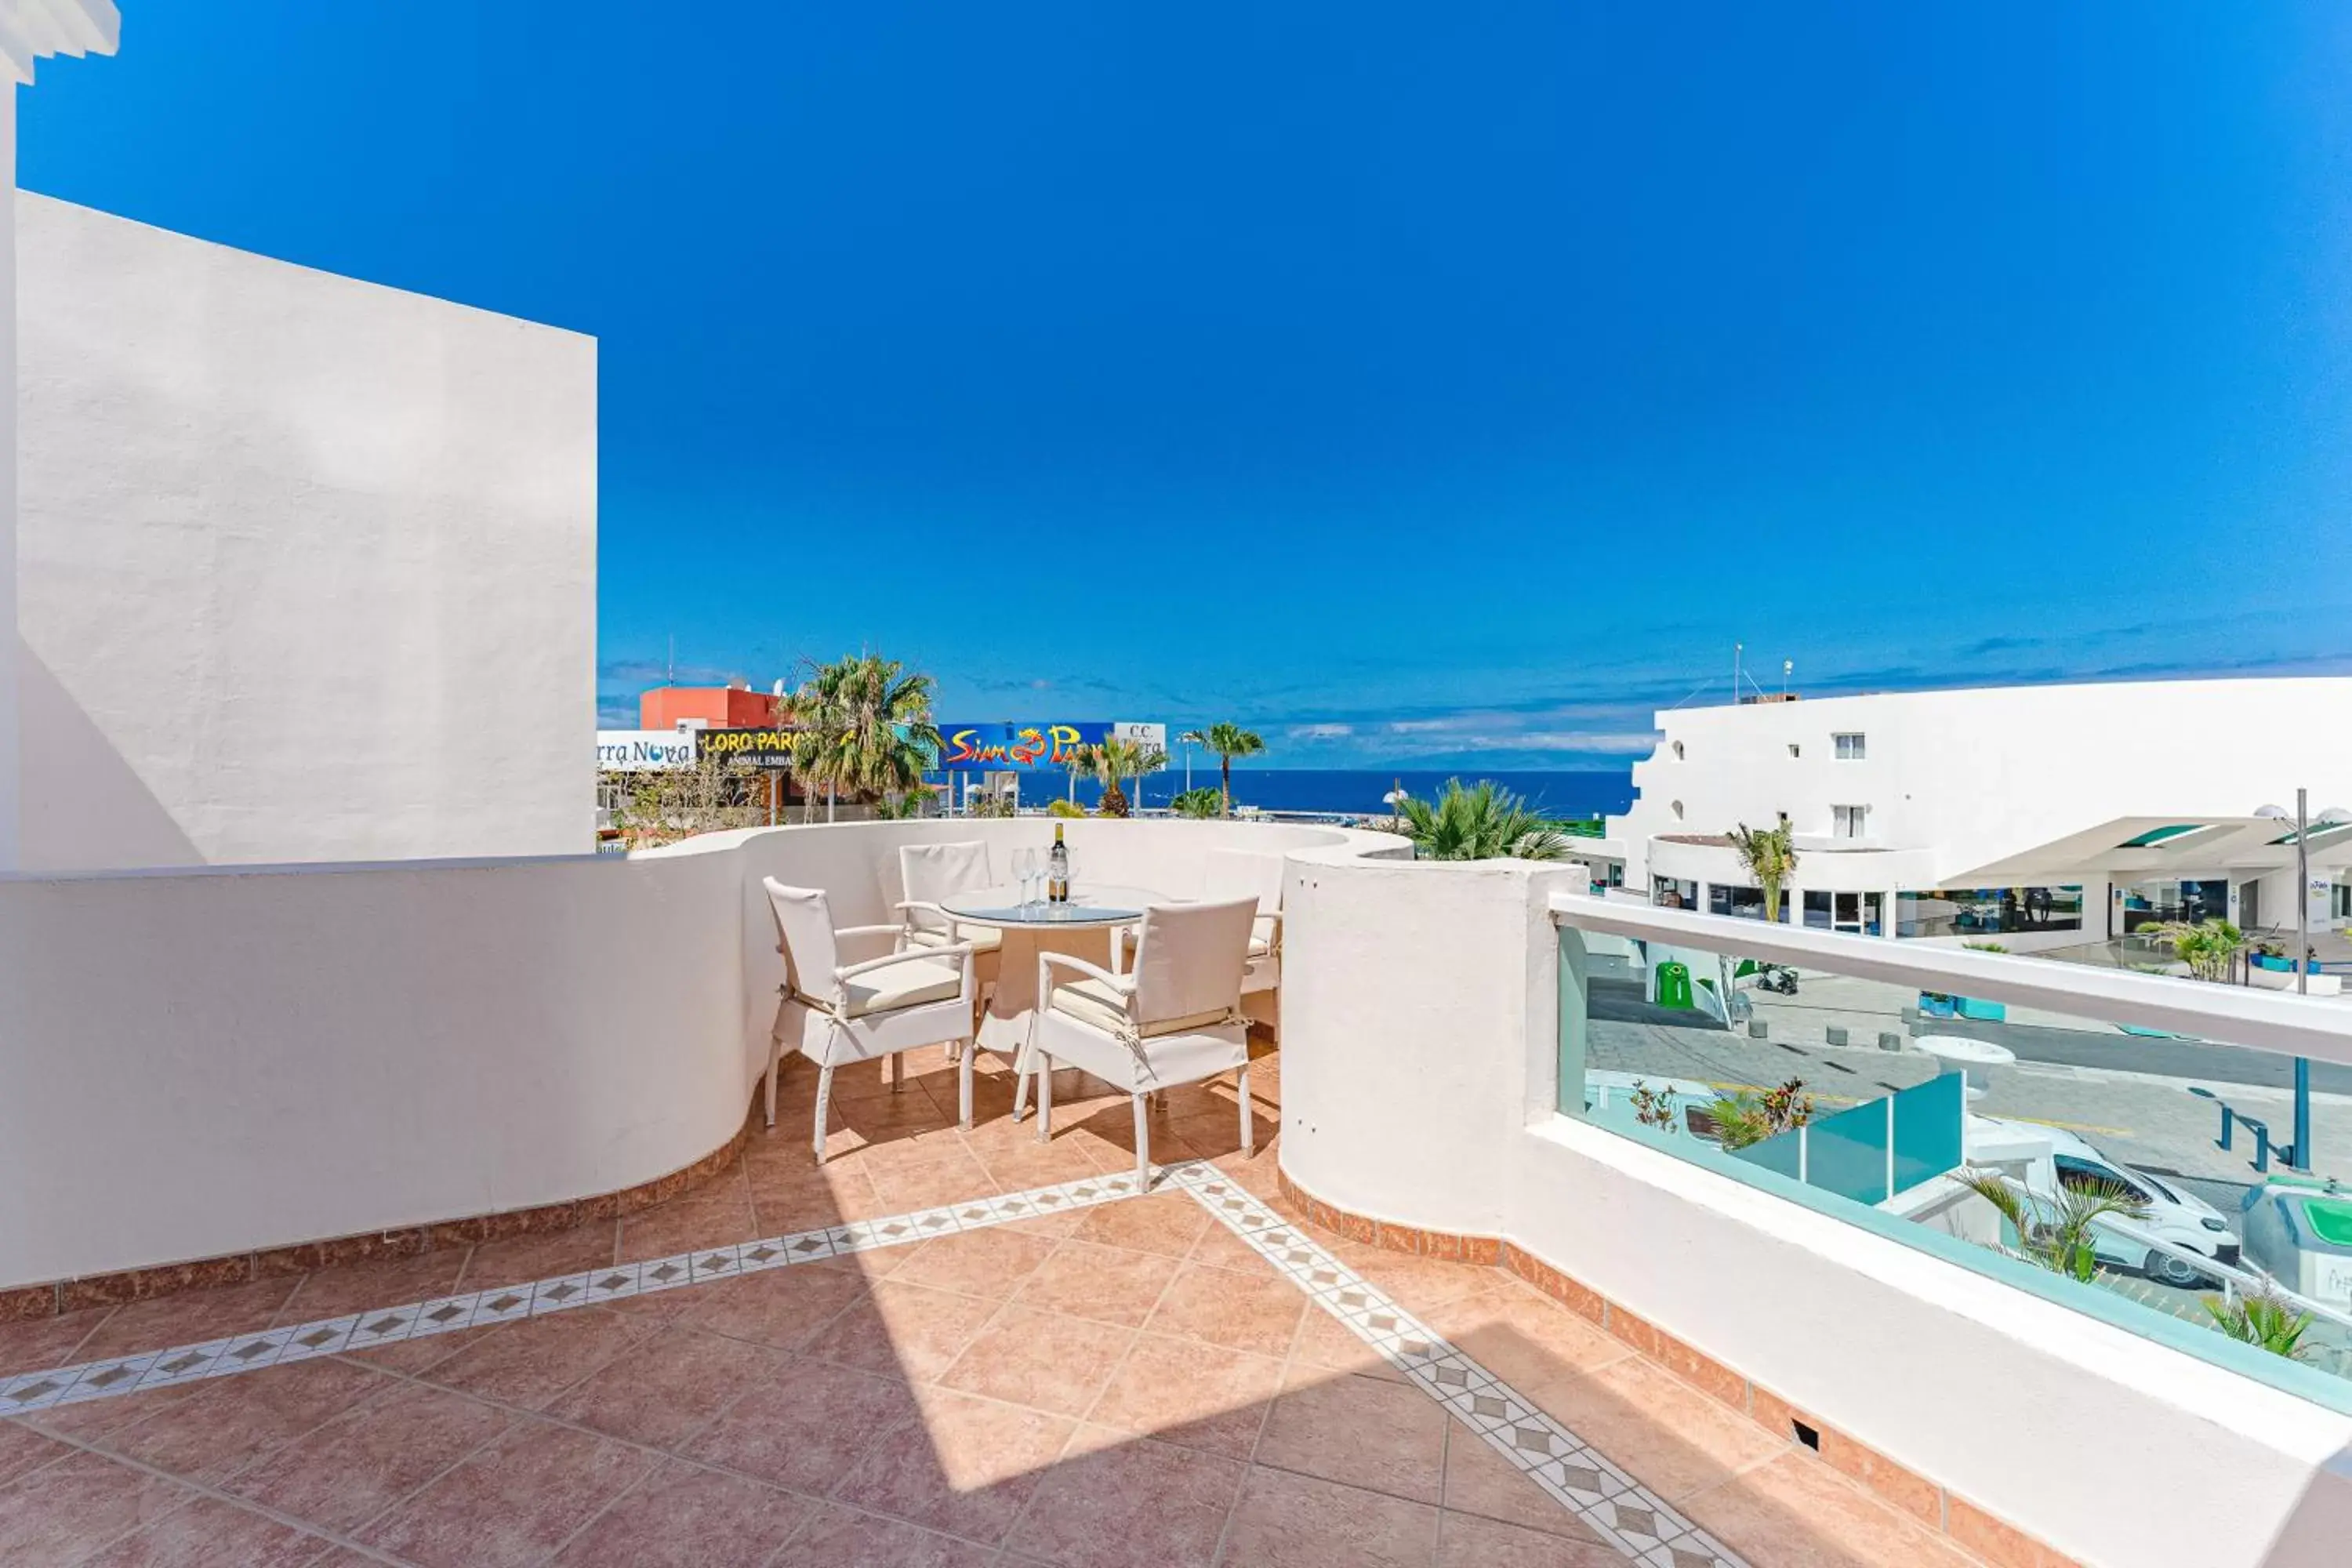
<point>1129,1384</point>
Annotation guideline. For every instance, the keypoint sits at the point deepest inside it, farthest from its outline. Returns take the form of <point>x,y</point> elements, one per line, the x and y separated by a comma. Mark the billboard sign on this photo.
<point>643,750</point>
<point>767,748</point>
<point>1154,736</point>
<point>1004,748</point>
<point>1042,747</point>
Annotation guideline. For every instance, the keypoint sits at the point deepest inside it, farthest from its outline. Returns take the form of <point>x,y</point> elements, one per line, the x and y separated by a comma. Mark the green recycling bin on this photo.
<point>1674,985</point>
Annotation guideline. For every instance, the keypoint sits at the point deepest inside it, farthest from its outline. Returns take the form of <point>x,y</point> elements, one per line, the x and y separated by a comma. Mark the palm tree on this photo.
<point>1480,823</point>
<point>1101,761</point>
<point>1118,759</point>
<point>900,807</point>
<point>1228,741</point>
<point>1770,855</point>
<point>2055,1234</point>
<point>1148,759</point>
<point>2208,947</point>
<point>2266,1320</point>
<point>863,729</point>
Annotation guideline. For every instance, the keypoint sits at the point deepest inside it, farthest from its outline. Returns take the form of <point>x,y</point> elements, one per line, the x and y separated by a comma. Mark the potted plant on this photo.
<point>2210,948</point>
<point>1747,1116</point>
<point>1937,1004</point>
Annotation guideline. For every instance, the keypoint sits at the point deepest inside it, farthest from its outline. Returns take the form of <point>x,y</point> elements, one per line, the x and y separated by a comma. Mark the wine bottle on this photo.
<point>1057,870</point>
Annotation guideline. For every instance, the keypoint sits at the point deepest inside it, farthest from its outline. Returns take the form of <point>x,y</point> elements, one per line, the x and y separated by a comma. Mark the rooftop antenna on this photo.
<point>669,674</point>
<point>1788,667</point>
<point>1736,649</point>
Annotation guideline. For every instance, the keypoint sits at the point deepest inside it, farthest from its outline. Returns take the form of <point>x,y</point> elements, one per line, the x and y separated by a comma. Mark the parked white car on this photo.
<point>2173,1215</point>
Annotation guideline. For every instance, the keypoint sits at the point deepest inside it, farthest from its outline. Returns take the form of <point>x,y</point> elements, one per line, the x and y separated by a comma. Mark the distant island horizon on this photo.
<point>1548,792</point>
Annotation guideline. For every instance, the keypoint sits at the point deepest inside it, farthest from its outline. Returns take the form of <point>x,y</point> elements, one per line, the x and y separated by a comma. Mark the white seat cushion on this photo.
<point>908,983</point>
<point>984,939</point>
<point>1104,1006</point>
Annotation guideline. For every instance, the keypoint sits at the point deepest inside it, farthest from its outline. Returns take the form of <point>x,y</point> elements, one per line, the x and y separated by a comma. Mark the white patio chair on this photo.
<point>1176,1019</point>
<point>1237,873</point>
<point>929,873</point>
<point>1230,874</point>
<point>845,1013</point>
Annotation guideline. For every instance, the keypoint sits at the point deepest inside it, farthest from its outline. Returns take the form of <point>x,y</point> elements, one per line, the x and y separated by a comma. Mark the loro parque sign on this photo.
<point>750,748</point>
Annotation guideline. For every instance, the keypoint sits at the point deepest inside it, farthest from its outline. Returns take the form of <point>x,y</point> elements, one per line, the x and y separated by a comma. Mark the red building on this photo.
<point>716,707</point>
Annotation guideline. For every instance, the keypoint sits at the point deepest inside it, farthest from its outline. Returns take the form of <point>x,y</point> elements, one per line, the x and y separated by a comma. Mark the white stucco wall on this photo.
<point>1959,780</point>
<point>306,565</point>
<point>11,779</point>
<point>229,1060</point>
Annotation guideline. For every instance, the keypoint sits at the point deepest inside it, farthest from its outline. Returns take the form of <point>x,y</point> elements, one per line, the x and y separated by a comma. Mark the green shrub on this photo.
<point>1204,802</point>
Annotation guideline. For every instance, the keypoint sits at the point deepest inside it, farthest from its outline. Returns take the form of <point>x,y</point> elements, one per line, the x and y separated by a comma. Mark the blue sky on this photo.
<point>1447,384</point>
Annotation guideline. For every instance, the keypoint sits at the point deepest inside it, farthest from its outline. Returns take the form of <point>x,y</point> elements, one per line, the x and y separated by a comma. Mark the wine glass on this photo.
<point>1024,869</point>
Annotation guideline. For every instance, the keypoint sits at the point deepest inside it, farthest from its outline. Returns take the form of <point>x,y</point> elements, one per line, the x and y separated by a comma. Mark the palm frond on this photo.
<point>1478,822</point>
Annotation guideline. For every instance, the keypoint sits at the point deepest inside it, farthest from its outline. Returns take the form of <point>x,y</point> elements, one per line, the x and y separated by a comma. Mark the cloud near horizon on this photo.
<point>1584,717</point>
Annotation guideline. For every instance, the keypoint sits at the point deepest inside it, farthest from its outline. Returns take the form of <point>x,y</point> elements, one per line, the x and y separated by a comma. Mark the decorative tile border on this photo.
<point>1968,1525</point>
<point>20,1302</point>
<point>1444,1247</point>
<point>26,1393</point>
<point>1602,1494</point>
<point>1602,1497</point>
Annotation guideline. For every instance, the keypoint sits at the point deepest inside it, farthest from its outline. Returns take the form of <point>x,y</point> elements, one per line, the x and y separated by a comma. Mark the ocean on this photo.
<point>1558,794</point>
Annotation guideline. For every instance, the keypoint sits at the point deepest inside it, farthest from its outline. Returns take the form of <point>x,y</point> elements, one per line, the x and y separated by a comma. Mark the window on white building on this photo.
<point>1850,747</point>
<point>1793,749</point>
<point>1850,821</point>
<point>1678,750</point>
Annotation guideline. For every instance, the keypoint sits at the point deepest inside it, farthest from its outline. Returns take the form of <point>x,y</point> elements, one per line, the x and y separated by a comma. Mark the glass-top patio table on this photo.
<point>1081,928</point>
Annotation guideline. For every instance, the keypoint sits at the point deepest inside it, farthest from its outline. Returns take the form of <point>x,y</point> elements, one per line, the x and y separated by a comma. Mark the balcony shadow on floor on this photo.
<point>1759,1491</point>
<point>1128,1384</point>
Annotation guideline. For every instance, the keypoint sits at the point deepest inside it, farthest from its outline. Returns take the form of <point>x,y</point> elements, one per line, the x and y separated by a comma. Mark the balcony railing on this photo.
<point>2056,1080</point>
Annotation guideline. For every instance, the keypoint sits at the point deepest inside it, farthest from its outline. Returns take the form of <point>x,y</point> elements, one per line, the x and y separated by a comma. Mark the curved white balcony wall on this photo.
<point>1420,1073</point>
<point>195,1064</point>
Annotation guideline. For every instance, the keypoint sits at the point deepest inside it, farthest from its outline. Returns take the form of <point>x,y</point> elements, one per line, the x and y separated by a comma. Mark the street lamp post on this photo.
<point>2302,972</point>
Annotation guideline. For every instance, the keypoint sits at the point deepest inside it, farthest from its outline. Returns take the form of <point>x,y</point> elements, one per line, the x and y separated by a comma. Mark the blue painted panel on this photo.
<point>1778,1153</point>
<point>1848,1154</point>
<point>1927,1121</point>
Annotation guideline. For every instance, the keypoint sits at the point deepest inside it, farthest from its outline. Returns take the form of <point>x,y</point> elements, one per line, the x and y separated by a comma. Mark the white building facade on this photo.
<point>285,541</point>
<point>2038,816</point>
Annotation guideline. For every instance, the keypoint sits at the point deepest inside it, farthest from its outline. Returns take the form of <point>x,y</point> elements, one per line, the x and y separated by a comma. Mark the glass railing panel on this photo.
<point>1929,1133</point>
<point>1783,1154</point>
<point>1916,1092</point>
<point>1847,1154</point>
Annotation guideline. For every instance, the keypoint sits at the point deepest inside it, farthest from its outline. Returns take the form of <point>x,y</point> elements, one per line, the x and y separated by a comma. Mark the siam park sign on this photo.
<point>1016,747</point>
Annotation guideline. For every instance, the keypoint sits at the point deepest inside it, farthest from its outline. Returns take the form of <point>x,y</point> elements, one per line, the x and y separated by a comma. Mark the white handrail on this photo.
<point>2276,1021</point>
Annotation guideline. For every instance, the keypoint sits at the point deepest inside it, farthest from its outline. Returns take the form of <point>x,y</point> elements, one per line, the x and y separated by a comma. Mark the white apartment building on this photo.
<point>2040,816</point>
